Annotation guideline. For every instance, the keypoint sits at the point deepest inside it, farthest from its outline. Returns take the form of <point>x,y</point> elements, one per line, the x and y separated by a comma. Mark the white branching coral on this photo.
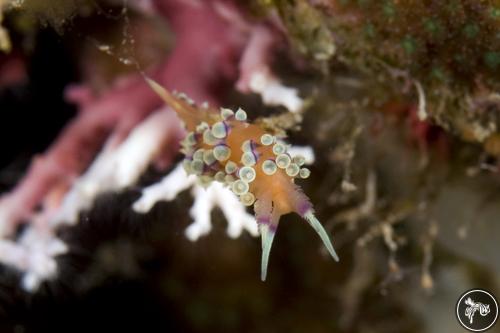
<point>33,254</point>
<point>117,167</point>
<point>256,75</point>
<point>273,92</point>
<point>205,200</point>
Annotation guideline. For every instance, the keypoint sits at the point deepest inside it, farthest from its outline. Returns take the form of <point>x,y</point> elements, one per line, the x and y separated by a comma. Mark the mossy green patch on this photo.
<point>492,59</point>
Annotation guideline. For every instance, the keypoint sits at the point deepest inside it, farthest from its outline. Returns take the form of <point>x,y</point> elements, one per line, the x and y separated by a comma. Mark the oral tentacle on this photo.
<point>267,233</point>
<point>313,221</point>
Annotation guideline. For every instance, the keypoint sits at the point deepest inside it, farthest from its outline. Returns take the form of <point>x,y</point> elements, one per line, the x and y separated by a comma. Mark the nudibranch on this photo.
<point>222,145</point>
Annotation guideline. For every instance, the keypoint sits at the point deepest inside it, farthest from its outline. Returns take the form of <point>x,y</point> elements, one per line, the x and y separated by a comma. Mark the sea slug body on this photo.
<point>222,145</point>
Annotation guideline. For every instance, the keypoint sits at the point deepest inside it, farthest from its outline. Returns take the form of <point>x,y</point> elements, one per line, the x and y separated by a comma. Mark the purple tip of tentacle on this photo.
<point>303,207</point>
<point>264,220</point>
<point>267,222</point>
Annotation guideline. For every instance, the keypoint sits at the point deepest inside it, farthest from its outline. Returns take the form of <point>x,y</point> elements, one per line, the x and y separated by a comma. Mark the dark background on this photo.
<point>129,272</point>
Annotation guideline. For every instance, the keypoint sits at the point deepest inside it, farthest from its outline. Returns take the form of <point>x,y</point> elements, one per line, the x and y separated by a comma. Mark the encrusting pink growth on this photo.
<point>223,146</point>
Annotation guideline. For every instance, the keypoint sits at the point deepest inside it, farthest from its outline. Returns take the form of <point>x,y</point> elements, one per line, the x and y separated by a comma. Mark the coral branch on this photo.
<point>117,112</point>
<point>205,200</point>
<point>256,75</point>
<point>117,167</point>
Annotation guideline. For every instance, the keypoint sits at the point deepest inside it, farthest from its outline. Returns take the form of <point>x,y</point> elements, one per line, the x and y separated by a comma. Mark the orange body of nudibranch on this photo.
<point>223,146</point>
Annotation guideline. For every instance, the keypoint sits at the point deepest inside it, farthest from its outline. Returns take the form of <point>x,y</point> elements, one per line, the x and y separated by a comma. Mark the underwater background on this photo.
<point>399,101</point>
